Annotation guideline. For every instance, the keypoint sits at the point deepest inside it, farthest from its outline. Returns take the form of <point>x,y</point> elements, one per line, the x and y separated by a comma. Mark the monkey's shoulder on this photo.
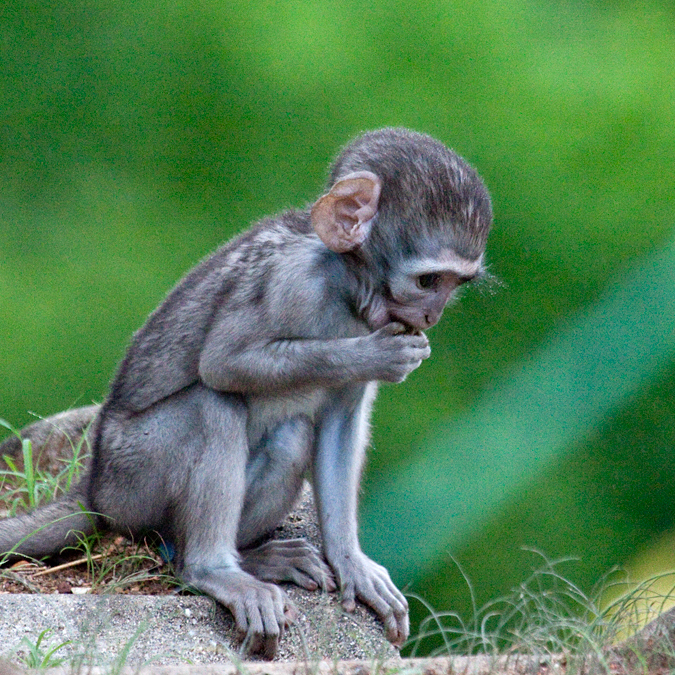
<point>277,278</point>
<point>291,283</point>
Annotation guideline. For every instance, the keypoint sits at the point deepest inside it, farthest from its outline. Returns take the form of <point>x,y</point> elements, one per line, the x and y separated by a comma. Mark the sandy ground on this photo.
<point>180,629</point>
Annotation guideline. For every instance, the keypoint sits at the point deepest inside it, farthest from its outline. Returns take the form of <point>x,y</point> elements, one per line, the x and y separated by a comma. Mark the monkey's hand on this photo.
<point>396,352</point>
<point>291,560</point>
<point>362,578</point>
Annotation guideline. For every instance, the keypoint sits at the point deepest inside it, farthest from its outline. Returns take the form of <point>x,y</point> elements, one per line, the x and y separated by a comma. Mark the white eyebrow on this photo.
<point>448,261</point>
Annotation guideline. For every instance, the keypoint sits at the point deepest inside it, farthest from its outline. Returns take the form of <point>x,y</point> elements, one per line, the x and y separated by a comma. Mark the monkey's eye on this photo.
<point>428,282</point>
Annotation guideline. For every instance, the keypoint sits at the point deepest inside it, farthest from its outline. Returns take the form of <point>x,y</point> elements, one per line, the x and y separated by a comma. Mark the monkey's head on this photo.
<point>412,217</point>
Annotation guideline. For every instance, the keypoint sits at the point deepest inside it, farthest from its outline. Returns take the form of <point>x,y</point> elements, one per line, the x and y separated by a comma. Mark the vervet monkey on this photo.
<point>261,365</point>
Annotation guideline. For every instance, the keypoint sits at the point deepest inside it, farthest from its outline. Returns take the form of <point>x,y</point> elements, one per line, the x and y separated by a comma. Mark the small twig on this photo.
<point>73,563</point>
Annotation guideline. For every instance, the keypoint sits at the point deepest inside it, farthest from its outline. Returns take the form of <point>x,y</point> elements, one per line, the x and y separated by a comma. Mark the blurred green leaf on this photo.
<point>590,368</point>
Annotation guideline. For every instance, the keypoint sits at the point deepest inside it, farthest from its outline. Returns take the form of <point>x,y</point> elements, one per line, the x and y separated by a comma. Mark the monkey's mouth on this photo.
<point>382,319</point>
<point>415,320</point>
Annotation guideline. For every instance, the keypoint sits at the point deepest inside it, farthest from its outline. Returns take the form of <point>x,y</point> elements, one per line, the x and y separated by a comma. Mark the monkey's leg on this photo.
<point>207,521</point>
<point>343,437</point>
<point>274,477</point>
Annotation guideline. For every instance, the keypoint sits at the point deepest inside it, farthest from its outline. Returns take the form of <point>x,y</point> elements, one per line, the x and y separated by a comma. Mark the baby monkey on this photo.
<point>260,366</point>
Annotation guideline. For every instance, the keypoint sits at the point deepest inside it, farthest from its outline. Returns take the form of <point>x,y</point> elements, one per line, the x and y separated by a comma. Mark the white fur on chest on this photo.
<point>267,412</point>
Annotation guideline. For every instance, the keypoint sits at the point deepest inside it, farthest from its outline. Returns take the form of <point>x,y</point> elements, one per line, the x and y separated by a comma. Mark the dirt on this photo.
<point>116,565</point>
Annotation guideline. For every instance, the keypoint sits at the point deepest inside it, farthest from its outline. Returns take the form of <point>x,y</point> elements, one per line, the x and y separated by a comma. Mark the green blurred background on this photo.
<point>137,136</point>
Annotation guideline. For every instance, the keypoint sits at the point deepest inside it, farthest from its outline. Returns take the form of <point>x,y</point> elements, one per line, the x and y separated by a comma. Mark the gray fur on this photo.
<point>53,439</point>
<point>261,365</point>
<point>61,523</point>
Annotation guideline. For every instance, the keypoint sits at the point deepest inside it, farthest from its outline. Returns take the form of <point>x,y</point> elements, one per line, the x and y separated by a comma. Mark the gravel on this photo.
<point>181,629</point>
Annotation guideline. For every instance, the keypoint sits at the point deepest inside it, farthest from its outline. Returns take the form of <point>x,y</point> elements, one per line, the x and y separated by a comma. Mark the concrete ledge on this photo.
<point>458,665</point>
<point>168,630</point>
<point>172,630</point>
<point>651,650</point>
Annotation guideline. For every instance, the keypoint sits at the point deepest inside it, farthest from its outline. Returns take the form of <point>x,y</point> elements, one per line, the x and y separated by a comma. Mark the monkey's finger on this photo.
<point>252,644</point>
<point>397,629</point>
<point>415,339</point>
<point>274,628</point>
<point>311,579</point>
<point>421,347</point>
<point>284,609</point>
<point>392,630</point>
<point>403,629</point>
<point>348,597</point>
<point>328,583</point>
<point>419,355</point>
<point>385,611</point>
<point>240,619</point>
<point>276,605</point>
<point>315,568</point>
<point>299,544</point>
<point>390,605</point>
<point>396,598</point>
<point>303,580</point>
<point>410,365</point>
<point>425,346</point>
<point>394,328</point>
<point>255,621</point>
<point>290,616</point>
<point>271,646</point>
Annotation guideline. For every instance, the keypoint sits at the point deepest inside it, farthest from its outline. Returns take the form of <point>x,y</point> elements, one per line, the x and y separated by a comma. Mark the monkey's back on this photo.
<point>163,357</point>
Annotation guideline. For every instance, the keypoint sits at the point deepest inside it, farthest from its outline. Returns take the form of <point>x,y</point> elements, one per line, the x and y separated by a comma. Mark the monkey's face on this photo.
<point>418,293</point>
<point>414,214</point>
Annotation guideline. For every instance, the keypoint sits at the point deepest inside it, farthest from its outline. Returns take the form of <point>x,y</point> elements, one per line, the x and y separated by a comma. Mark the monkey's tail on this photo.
<point>48,529</point>
<point>54,439</point>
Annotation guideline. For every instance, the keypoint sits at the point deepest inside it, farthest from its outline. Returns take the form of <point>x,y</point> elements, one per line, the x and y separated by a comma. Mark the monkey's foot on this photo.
<point>291,560</point>
<point>261,611</point>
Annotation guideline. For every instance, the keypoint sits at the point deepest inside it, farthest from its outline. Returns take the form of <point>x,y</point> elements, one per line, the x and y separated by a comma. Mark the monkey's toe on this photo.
<point>293,560</point>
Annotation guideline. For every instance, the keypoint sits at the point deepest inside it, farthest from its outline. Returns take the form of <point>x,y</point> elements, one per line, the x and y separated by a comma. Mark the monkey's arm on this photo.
<point>343,436</point>
<point>271,364</point>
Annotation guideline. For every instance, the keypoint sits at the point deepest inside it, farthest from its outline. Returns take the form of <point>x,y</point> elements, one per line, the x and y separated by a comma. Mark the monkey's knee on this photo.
<point>278,464</point>
<point>284,449</point>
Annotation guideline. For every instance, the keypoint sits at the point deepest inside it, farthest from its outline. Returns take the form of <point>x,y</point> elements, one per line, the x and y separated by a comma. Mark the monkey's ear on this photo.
<point>343,217</point>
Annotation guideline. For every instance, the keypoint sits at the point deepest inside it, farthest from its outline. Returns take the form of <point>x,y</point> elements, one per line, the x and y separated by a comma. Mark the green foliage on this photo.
<point>37,656</point>
<point>526,420</point>
<point>137,136</point>
<point>32,486</point>
<point>34,656</point>
<point>549,615</point>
